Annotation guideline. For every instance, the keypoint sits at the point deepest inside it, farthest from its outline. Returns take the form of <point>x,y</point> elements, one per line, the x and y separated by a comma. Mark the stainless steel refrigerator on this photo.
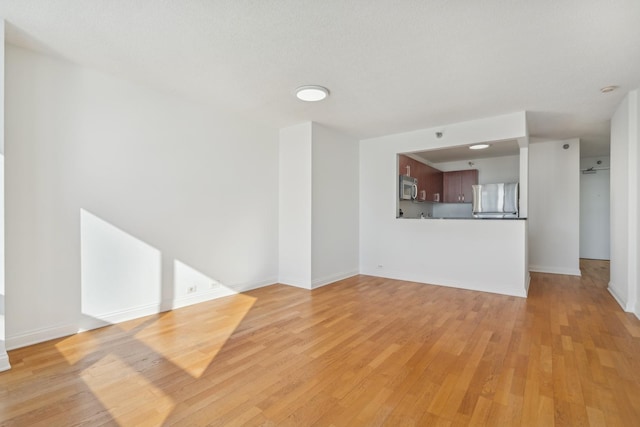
<point>495,200</point>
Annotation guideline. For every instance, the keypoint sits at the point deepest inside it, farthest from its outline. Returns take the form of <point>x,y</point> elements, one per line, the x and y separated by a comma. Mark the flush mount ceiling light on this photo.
<point>479,146</point>
<point>312,93</point>
<point>608,89</point>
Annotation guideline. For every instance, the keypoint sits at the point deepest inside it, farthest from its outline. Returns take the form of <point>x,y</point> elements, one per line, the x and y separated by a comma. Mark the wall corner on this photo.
<point>4,362</point>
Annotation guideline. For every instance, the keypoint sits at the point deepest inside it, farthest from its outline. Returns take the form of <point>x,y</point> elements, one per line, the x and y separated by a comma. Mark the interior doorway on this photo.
<point>594,208</point>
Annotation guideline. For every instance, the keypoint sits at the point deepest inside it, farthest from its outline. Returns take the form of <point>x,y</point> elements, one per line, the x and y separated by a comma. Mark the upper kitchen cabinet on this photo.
<point>429,178</point>
<point>433,183</point>
<point>457,186</point>
<point>403,162</point>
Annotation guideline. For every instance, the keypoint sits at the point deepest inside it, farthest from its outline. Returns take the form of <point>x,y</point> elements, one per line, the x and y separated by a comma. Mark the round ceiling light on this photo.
<point>608,89</point>
<point>312,93</point>
<point>479,146</point>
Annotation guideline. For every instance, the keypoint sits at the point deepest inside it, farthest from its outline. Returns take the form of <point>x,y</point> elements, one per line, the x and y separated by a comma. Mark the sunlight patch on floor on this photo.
<point>75,348</point>
<point>123,391</point>
<point>210,336</point>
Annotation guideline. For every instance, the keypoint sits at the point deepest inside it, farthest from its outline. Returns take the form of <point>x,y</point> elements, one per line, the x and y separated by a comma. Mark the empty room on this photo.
<point>305,213</point>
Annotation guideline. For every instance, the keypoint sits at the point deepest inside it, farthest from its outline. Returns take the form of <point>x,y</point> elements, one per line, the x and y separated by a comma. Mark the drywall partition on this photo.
<point>295,198</point>
<point>637,187</point>
<point>620,187</point>
<point>625,137</point>
<point>524,179</point>
<point>594,207</point>
<point>554,207</point>
<point>636,163</point>
<point>98,167</point>
<point>4,359</point>
<point>335,206</point>
<point>318,226</point>
<point>460,253</point>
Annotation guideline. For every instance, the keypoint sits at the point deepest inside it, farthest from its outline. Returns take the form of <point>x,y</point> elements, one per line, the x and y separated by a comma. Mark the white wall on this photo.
<point>295,206</point>
<point>198,187</point>
<point>636,227</point>
<point>554,207</point>
<point>635,161</point>
<point>335,206</point>
<point>459,253</point>
<point>524,179</point>
<point>490,170</point>
<point>625,138</point>
<point>620,187</point>
<point>318,206</point>
<point>4,359</point>
<point>594,208</point>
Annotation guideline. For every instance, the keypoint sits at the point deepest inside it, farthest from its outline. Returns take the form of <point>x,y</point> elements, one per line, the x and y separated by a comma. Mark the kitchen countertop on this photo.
<point>492,219</point>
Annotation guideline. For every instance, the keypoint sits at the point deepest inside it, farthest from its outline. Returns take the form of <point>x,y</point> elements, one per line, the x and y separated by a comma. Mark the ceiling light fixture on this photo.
<point>312,93</point>
<point>479,146</point>
<point>608,89</point>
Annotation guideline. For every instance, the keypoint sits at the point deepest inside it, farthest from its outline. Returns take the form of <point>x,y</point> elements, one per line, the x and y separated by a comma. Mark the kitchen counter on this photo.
<point>468,253</point>
<point>475,219</point>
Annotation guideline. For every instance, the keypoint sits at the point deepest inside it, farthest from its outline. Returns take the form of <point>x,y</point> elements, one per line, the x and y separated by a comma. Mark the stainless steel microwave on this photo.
<point>408,187</point>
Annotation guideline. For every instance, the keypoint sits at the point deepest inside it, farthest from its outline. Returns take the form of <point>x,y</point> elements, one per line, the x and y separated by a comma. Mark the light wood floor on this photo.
<point>364,351</point>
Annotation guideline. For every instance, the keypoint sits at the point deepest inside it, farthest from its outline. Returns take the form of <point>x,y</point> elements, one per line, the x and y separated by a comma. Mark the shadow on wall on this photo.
<point>124,278</point>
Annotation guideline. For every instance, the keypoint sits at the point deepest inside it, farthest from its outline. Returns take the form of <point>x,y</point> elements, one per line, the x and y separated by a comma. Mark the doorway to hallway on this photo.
<point>594,208</point>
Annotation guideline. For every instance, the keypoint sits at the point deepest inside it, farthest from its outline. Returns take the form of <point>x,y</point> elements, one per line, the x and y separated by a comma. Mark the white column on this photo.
<point>625,139</point>
<point>4,359</point>
<point>294,229</point>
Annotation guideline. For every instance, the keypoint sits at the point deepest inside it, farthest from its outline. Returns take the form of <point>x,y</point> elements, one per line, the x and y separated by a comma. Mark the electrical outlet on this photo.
<point>214,284</point>
<point>380,266</point>
<point>191,289</point>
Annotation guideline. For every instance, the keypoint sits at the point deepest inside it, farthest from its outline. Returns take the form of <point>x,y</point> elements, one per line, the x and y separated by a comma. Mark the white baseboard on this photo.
<point>555,270</point>
<point>627,306</point>
<point>40,335</point>
<point>617,297</point>
<point>216,293</point>
<point>526,285</point>
<point>418,278</point>
<point>169,304</point>
<point>296,282</point>
<point>197,298</point>
<point>88,322</point>
<point>4,361</point>
<point>331,279</point>
<point>245,287</point>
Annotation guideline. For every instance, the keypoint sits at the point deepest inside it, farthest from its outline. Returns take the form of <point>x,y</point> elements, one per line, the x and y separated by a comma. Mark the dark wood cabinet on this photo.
<point>447,187</point>
<point>451,185</point>
<point>403,162</point>
<point>469,178</point>
<point>433,183</point>
<point>457,186</point>
<point>429,178</point>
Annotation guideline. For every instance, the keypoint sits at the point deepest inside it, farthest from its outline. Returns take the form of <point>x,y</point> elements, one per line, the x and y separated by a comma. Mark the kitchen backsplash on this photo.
<point>435,210</point>
<point>452,210</point>
<point>413,209</point>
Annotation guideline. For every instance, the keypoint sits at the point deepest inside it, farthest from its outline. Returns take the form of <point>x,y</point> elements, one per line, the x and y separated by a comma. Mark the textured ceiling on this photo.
<point>391,66</point>
<point>452,154</point>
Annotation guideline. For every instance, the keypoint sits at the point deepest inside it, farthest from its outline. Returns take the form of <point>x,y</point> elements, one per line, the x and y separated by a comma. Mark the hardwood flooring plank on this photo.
<point>365,351</point>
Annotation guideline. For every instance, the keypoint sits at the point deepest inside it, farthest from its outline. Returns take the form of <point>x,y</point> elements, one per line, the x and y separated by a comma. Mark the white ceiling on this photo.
<point>452,154</point>
<point>391,66</point>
